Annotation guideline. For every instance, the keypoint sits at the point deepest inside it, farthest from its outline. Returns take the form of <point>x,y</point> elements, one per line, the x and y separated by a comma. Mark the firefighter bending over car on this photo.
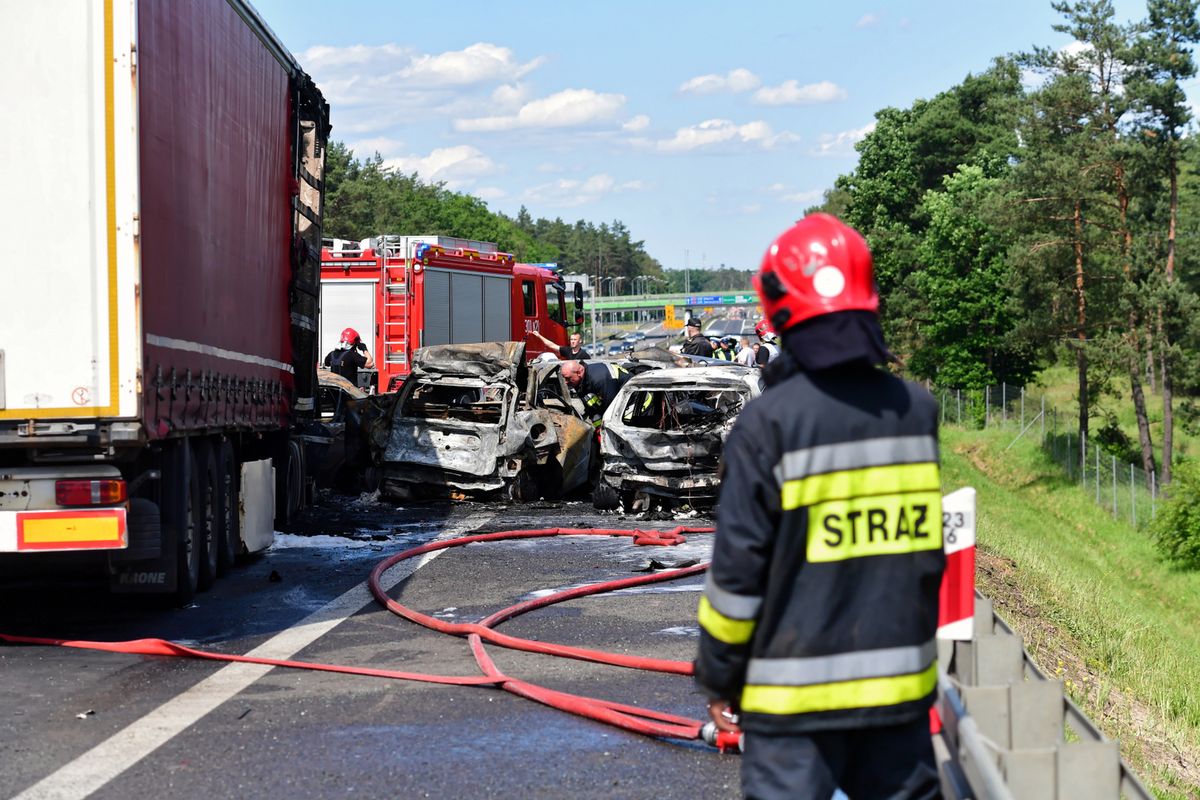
<point>820,609</point>
<point>596,383</point>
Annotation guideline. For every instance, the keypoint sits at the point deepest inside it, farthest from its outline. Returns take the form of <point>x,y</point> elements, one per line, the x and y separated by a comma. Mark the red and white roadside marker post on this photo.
<point>956,614</point>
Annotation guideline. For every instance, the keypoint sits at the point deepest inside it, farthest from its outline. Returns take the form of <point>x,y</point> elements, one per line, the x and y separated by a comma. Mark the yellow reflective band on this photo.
<point>875,526</point>
<point>865,693</point>
<point>890,479</point>
<point>723,628</point>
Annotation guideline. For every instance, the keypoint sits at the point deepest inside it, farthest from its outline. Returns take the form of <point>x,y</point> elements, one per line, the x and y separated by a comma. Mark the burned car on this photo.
<point>333,443</point>
<point>663,435</point>
<point>476,420</point>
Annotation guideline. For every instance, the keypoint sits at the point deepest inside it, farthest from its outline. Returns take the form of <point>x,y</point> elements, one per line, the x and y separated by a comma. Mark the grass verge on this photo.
<point>1093,601</point>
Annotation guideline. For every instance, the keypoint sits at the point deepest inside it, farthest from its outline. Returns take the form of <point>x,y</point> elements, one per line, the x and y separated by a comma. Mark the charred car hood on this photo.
<point>493,361</point>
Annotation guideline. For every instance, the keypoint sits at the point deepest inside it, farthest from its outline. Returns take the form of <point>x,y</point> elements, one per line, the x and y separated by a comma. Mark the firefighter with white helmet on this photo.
<point>820,609</point>
<point>768,348</point>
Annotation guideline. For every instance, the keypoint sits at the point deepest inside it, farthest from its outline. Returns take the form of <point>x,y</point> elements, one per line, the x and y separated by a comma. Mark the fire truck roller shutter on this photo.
<point>497,309</point>
<point>466,308</point>
<point>437,308</point>
<point>347,304</point>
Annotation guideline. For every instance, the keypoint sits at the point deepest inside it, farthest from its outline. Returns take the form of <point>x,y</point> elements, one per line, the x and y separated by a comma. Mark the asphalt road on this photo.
<point>75,723</point>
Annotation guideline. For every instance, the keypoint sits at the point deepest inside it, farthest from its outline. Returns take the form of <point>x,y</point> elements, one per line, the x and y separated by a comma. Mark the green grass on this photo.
<point>1091,595</point>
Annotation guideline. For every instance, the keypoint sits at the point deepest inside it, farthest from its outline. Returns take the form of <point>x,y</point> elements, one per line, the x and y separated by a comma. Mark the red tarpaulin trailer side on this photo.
<point>216,164</point>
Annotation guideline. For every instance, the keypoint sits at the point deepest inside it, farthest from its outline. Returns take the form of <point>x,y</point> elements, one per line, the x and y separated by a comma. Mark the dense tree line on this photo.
<point>1046,209</point>
<point>365,198</point>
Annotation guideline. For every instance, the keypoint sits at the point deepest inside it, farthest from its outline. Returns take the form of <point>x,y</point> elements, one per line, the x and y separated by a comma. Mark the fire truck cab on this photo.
<point>402,293</point>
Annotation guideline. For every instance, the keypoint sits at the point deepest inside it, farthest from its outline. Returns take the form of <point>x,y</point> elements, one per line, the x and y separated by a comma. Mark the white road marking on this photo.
<point>104,762</point>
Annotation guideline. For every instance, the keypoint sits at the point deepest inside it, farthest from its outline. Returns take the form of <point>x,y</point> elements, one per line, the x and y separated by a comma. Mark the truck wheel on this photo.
<point>207,511</point>
<point>229,543</point>
<point>605,497</point>
<point>289,482</point>
<point>180,490</point>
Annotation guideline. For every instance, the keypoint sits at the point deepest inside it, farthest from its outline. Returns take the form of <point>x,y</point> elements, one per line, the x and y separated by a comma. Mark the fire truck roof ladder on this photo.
<point>395,302</point>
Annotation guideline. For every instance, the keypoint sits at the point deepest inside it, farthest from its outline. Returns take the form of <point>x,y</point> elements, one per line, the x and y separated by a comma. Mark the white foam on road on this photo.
<point>104,762</point>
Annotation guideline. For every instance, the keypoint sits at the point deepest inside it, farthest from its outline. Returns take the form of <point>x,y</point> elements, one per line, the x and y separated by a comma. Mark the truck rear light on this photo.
<point>90,493</point>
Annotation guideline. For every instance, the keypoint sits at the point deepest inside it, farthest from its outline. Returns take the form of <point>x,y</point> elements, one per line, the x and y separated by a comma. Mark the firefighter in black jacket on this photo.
<point>820,610</point>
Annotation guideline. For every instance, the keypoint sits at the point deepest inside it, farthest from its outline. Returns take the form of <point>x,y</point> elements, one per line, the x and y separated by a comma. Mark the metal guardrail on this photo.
<point>1005,726</point>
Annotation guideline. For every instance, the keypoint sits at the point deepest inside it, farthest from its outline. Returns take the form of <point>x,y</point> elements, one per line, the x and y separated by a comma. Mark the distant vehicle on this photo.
<point>663,434</point>
<point>638,335</point>
<point>594,350</point>
<point>616,348</point>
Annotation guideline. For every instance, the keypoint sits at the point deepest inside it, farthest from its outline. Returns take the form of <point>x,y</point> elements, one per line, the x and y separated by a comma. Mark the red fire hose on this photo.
<point>632,718</point>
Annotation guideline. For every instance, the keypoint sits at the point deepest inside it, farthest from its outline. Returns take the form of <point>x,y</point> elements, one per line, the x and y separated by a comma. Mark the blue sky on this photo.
<point>707,127</point>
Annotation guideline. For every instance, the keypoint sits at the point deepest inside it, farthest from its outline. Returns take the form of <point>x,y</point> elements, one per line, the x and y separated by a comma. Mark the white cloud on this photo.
<point>640,122</point>
<point>383,145</point>
<point>361,74</point>
<point>477,63</point>
<point>713,133</point>
<point>510,96</point>
<point>549,168</point>
<point>867,21</point>
<point>788,194</point>
<point>792,93</point>
<point>634,186</point>
<point>458,166</point>
<point>569,192</point>
<point>736,80</point>
<point>565,109</point>
<point>842,144</point>
<point>486,193</point>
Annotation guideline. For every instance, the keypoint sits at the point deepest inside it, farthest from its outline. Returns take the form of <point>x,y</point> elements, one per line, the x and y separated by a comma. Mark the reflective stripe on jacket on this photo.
<point>820,607</point>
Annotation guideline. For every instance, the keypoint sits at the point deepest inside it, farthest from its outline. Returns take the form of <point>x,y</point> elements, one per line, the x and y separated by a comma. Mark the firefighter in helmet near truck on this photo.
<point>820,609</point>
<point>349,356</point>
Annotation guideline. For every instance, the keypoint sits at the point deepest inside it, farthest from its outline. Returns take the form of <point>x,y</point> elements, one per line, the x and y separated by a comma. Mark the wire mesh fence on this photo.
<point>1124,488</point>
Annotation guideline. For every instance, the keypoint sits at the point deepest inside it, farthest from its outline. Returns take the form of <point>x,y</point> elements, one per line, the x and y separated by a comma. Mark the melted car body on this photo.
<point>664,433</point>
<point>475,420</point>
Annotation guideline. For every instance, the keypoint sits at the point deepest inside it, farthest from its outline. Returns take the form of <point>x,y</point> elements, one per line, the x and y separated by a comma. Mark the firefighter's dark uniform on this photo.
<point>599,387</point>
<point>820,609</point>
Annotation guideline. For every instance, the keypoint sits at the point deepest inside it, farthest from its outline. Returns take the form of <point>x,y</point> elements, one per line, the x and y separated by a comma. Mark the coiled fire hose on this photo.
<point>636,719</point>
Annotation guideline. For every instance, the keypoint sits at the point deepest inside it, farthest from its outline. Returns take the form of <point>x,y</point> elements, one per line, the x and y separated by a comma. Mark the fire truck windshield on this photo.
<point>555,304</point>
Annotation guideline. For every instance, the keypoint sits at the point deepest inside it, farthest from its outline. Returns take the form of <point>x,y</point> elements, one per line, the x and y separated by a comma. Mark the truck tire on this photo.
<point>289,482</point>
<point>207,511</point>
<point>180,490</point>
<point>229,543</point>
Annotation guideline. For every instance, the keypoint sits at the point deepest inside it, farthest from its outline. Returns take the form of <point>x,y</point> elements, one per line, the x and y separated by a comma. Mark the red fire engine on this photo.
<point>405,292</point>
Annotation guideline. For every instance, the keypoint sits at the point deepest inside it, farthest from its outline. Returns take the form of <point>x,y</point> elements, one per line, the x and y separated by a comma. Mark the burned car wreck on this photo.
<point>476,420</point>
<point>663,435</point>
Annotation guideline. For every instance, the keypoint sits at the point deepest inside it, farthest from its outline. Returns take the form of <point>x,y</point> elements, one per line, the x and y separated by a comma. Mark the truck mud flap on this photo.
<point>147,565</point>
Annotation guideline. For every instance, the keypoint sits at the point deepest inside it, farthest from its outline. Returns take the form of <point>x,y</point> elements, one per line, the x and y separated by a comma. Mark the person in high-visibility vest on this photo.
<point>820,609</point>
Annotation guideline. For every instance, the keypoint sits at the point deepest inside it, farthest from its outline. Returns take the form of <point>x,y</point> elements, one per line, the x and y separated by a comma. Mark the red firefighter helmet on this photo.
<point>818,266</point>
<point>349,336</point>
<point>763,329</point>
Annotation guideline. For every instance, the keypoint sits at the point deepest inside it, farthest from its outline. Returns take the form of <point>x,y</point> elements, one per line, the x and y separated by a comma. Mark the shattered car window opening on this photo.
<point>458,400</point>
<point>674,410</point>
